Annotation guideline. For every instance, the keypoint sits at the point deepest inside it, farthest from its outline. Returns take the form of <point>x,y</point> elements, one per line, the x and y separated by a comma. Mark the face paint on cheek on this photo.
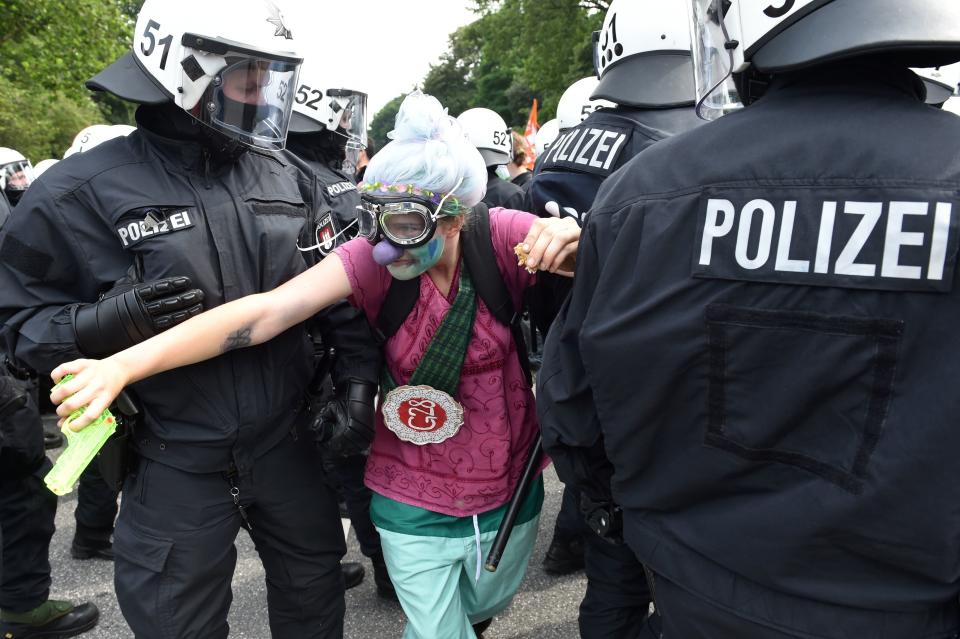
<point>422,257</point>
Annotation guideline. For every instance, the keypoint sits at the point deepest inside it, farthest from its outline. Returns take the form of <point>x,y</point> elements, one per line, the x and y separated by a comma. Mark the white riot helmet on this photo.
<point>322,104</point>
<point>738,39</point>
<point>230,64</point>
<point>642,54</point>
<point>941,82</point>
<point>96,134</point>
<point>546,135</point>
<point>16,173</point>
<point>576,103</point>
<point>487,131</point>
<point>952,105</point>
<point>42,167</point>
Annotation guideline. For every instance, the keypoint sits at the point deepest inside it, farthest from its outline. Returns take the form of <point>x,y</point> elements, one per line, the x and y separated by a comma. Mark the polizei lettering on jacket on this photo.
<point>588,149</point>
<point>825,238</point>
<point>137,226</point>
<point>333,190</point>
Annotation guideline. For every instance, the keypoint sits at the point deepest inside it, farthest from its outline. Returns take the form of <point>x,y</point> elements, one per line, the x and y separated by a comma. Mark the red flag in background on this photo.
<point>530,135</point>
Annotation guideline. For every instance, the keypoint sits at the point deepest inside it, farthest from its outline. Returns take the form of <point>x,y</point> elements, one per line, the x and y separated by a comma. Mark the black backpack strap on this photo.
<point>401,298</point>
<point>480,258</point>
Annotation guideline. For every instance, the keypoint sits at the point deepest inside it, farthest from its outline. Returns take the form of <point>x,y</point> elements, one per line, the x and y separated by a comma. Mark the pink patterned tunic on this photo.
<point>476,469</point>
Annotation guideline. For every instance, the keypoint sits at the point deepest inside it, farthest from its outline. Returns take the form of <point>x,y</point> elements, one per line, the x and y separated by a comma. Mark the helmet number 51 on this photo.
<point>166,42</point>
<point>779,12</point>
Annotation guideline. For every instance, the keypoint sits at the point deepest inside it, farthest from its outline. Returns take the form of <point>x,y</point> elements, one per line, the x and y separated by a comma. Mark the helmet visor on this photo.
<point>712,60</point>
<point>252,100</point>
<point>16,176</point>
<point>351,107</point>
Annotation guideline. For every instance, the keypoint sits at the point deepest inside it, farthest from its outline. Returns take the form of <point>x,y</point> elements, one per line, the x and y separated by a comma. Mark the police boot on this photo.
<point>91,549</point>
<point>381,577</point>
<point>49,620</point>
<point>564,556</point>
<point>480,626</point>
<point>91,543</point>
<point>353,573</point>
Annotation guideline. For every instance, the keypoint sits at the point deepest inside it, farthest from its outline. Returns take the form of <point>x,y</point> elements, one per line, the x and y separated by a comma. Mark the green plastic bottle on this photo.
<point>82,447</point>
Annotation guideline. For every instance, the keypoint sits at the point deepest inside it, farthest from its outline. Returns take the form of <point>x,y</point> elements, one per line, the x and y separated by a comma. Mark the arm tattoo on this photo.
<point>239,339</point>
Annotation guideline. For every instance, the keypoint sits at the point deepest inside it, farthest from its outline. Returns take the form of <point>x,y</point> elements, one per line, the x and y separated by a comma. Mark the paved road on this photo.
<point>545,607</point>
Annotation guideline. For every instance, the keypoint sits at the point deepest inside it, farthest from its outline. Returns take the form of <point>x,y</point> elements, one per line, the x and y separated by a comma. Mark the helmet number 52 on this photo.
<point>779,12</point>
<point>166,42</point>
<point>303,94</point>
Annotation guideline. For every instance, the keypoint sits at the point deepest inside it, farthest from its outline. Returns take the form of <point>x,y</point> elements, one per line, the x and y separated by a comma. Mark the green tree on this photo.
<point>48,48</point>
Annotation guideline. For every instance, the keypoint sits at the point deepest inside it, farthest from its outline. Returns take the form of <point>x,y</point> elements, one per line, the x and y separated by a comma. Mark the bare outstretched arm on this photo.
<point>244,322</point>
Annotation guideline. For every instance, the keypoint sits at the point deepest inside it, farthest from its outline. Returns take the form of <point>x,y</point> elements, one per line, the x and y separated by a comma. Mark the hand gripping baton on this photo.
<point>82,447</point>
<point>510,517</point>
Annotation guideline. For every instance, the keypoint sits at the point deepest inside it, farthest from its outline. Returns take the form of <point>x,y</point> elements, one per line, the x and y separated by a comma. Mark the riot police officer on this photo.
<point>195,207</point>
<point>328,132</point>
<point>762,318</point>
<point>16,174</point>
<point>487,131</point>
<point>645,70</point>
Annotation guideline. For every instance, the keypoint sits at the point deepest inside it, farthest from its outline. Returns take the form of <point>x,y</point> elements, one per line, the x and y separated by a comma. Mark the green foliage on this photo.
<point>41,124</point>
<point>48,48</point>
<point>515,51</point>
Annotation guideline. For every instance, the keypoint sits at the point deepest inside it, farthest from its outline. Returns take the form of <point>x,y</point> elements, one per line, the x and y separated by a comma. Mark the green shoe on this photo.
<point>50,620</point>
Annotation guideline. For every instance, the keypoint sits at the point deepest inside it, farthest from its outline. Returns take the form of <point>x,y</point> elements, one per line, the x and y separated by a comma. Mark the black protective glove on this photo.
<point>345,425</point>
<point>604,518</point>
<point>131,313</point>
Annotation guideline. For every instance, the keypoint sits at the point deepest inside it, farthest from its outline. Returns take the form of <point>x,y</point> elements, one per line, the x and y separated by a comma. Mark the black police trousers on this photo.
<point>347,474</point>
<point>175,553</point>
<point>27,511</point>
<point>96,507</point>
<point>617,600</point>
<point>682,615</point>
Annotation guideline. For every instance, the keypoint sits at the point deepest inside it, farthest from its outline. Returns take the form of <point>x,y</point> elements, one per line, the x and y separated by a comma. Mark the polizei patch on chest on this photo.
<point>881,238</point>
<point>142,224</point>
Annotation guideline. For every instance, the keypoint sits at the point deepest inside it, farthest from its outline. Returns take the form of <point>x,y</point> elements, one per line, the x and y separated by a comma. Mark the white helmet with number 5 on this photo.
<point>576,103</point>
<point>231,64</point>
<point>741,39</point>
<point>487,131</point>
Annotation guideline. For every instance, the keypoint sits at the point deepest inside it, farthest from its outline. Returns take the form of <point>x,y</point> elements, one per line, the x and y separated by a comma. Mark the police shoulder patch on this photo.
<point>885,238</point>
<point>146,222</point>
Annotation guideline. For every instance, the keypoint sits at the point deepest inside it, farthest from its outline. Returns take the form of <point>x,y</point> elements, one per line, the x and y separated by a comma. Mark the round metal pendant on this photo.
<point>422,414</point>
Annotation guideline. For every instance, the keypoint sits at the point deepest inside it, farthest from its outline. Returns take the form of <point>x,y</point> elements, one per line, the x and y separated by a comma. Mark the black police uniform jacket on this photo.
<point>763,327</point>
<point>571,171</point>
<point>502,193</point>
<point>163,207</point>
<point>344,343</point>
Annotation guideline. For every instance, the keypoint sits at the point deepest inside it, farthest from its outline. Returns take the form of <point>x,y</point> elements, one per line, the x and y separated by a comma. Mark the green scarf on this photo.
<point>441,364</point>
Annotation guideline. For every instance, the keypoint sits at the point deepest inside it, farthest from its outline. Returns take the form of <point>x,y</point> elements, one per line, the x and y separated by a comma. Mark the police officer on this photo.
<point>762,316</point>
<point>5,210</point>
<point>195,206</point>
<point>645,69</point>
<point>327,134</point>
<point>487,131</point>
<point>16,174</point>
<point>27,512</point>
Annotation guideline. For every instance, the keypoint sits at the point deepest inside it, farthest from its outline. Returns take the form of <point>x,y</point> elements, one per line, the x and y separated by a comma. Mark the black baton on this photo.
<point>510,518</point>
